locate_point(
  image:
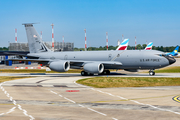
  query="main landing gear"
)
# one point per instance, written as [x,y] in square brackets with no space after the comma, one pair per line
[151,72]
[83,73]
[105,72]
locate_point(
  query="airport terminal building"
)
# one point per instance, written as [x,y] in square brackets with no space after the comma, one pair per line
[58,46]
[23,48]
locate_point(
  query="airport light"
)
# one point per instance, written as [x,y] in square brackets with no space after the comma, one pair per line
[107,40]
[15,35]
[41,35]
[122,37]
[135,42]
[52,36]
[85,40]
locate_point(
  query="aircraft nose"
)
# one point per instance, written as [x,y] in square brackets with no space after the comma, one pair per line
[171,60]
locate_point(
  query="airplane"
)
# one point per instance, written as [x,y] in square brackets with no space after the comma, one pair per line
[174,52]
[123,45]
[93,62]
[149,46]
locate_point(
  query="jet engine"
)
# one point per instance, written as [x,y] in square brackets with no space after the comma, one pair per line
[94,67]
[59,66]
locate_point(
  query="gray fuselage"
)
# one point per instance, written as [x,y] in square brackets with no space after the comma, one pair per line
[130,59]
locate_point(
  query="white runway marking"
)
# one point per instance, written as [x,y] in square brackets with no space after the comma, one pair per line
[143,103]
[11,110]
[133,100]
[82,105]
[97,111]
[11,98]
[19,107]
[69,100]
[53,92]
[14,102]
[1,114]
[81,85]
[114,119]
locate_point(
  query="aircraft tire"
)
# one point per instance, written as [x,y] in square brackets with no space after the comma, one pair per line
[151,73]
[107,72]
[90,74]
[83,73]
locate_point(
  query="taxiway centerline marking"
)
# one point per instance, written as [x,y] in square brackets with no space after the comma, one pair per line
[176,98]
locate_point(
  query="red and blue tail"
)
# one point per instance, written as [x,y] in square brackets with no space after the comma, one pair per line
[149,46]
[123,45]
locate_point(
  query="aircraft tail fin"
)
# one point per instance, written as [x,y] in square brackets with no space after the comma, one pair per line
[149,46]
[35,43]
[176,49]
[175,52]
[123,45]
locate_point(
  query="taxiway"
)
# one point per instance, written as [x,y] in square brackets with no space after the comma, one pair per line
[59,97]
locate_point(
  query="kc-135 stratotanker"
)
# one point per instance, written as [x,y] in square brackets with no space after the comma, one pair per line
[93,62]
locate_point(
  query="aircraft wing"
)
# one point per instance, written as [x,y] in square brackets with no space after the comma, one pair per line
[32,60]
[20,53]
[107,64]
[75,63]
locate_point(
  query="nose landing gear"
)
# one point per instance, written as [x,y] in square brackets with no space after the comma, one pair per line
[151,72]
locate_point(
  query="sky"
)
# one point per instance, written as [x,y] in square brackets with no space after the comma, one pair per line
[156,21]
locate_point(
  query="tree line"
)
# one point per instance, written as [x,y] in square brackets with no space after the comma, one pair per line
[138,47]
[4,49]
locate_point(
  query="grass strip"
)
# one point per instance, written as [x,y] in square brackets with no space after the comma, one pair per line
[9,78]
[175,69]
[110,82]
[36,71]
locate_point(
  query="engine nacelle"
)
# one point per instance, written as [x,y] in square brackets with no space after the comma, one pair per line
[59,66]
[94,67]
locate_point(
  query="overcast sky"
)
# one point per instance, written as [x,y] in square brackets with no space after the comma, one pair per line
[156,21]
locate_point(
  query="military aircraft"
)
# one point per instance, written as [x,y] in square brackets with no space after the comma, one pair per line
[93,62]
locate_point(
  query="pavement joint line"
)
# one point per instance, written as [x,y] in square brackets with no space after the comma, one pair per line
[14,102]
[139,102]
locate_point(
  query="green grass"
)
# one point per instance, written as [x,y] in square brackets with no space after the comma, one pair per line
[110,82]
[175,69]
[9,78]
[36,71]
